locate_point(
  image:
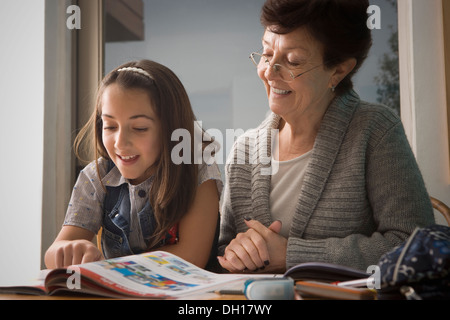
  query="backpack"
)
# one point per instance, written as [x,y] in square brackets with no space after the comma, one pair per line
[419,269]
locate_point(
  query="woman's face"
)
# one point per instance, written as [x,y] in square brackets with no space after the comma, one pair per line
[299,52]
[131,132]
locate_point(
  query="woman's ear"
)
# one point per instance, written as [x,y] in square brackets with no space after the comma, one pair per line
[342,70]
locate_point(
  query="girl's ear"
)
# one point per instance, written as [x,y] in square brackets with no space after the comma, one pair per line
[342,70]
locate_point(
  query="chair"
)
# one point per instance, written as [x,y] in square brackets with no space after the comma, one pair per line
[442,208]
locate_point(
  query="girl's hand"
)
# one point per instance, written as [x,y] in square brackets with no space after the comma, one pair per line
[67,253]
[258,249]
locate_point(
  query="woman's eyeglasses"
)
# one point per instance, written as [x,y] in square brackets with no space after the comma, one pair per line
[261,61]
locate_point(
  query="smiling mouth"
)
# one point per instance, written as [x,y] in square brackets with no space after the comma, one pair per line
[127,158]
[279,91]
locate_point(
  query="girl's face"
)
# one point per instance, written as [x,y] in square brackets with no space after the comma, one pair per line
[299,52]
[131,132]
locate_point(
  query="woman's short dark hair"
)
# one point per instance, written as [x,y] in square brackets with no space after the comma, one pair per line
[340,25]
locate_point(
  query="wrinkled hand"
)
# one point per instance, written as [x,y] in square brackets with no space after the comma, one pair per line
[75,252]
[258,249]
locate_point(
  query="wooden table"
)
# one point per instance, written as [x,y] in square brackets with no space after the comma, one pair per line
[204,296]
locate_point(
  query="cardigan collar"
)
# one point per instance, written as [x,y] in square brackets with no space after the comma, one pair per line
[326,148]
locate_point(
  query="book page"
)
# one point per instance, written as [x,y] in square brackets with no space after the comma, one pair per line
[28,286]
[155,273]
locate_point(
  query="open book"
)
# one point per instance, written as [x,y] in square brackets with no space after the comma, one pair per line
[326,272]
[161,275]
[316,280]
[153,275]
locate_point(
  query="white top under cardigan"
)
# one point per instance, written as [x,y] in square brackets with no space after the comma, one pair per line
[284,189]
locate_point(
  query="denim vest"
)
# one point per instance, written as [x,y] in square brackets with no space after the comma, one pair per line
[116,226]
[116,223]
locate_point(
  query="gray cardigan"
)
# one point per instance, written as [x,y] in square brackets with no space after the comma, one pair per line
[363,193]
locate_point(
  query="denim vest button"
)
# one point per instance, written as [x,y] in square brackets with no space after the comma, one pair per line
[142,193]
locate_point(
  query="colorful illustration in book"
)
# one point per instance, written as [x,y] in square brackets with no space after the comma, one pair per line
[142,275]
[178,262]
[158,260]
[178,270]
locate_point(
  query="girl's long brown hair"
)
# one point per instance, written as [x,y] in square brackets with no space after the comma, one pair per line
[174,186]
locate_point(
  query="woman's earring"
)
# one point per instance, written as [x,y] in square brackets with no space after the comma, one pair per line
[333,88]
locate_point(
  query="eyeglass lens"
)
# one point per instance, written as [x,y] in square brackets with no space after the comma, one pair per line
[262,62]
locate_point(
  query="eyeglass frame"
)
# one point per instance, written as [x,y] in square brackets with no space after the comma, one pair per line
[267,62]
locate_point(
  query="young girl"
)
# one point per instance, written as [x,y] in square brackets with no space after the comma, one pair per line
[134,192]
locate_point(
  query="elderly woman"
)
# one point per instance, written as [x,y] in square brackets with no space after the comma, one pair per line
[348,187]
